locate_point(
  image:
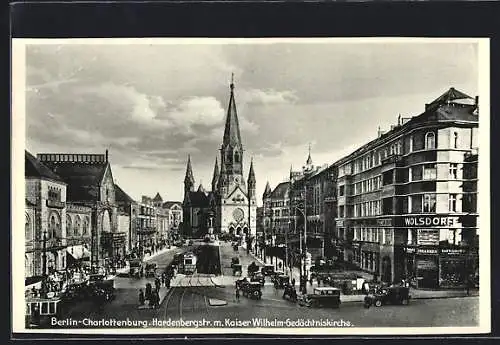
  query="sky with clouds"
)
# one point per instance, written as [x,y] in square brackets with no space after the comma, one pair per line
[151,105]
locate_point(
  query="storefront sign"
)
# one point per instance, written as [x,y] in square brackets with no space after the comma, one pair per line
[384,222]
[427,237]
[410,250]
[451,251]
[426,265]
[427,251]
[340,223]
[444,221]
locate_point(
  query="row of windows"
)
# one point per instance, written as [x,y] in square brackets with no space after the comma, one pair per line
[281,203]
[75,228]
[376,157]
[377,235]
[369,185]
[368,208]
[280,213]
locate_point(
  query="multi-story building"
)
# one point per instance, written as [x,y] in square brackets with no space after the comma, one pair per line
[277,202]
[45,219]
[401,197]
[127,217]
[90,183]
[78,234]
[145,227]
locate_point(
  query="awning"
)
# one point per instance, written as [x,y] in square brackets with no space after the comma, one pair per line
[78,252]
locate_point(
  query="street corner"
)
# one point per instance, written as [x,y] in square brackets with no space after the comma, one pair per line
[213,302]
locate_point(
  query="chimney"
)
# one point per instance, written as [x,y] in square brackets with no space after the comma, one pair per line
[477,100]
[106,155]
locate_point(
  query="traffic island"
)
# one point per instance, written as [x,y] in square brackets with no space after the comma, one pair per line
[216,302]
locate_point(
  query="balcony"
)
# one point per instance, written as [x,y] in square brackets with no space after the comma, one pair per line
[392,159]
[55,203]
[146,230]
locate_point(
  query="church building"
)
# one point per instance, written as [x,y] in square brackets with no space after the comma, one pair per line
[230,207]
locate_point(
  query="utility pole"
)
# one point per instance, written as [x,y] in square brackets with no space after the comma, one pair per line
[44,253]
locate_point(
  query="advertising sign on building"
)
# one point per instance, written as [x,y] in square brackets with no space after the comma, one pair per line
[384,222]
[441,221]
[427,237]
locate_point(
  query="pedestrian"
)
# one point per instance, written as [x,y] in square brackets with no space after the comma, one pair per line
[167,282]
[280,265]
[141,297]
[237,294]
[142,272]
[157,284]
[148,291]
[163,278]
[293,281]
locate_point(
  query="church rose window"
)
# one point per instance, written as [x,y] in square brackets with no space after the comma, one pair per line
[238,214]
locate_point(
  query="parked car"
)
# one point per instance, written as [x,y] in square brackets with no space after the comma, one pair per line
[281,281]
[388,295]
[322,297]
[252,290]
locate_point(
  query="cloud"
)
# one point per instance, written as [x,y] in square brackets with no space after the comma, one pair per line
[267,96]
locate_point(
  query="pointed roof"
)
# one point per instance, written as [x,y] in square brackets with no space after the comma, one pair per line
[251,174]
[158,198]
[35,168]
[189,171]
[215,177]
[280,191]
[450,96]
[267,190]
[309,159]
[201,189]
[232,128]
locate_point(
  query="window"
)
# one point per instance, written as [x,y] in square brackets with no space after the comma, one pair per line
[54,225]
[455,140]
[452,202]
[429,202]
[430,172]
[85,229]
[27,228]
[410,146]
[341,211]
[69,226]
[430,142]
[453,170]
[388,236]
[236,157]
[416,173]
[341,190]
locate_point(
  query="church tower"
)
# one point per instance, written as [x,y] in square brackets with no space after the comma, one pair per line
[251,185]
[188,179]
[231,175]
[215,178]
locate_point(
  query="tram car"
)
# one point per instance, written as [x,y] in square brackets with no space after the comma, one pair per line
[188,264]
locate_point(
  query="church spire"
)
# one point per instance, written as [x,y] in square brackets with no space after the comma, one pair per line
[232,128]
[309,159]
[215,178]
[189,179]
[267,190]
[251,174]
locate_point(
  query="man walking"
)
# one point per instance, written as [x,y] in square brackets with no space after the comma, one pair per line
[237,294]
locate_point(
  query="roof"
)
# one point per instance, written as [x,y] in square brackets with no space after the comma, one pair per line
[169,204]
[232,128]
[280,191]
[157,197]
[120,195]
[35,168]
[441,109]
[83,179]
[198,199]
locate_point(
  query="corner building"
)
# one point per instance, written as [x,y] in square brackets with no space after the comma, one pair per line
[406,200]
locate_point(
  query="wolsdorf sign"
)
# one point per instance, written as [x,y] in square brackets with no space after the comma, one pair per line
[430,221]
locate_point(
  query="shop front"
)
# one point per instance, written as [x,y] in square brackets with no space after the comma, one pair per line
[453,268]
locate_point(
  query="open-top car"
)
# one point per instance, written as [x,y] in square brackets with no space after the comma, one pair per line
[322,297]
[258,277]
[252,290]
[281,281]
[267,270]
[389,295]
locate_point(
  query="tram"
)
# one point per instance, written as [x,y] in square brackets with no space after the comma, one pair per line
[40,311]
[188,263]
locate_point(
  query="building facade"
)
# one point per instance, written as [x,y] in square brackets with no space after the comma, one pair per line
[78,234]
[401,196]
[173,211]
[230,207]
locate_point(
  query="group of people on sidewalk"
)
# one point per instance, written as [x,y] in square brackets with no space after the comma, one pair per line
[152,296]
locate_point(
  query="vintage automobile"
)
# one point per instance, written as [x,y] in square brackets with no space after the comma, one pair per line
[276,274]
[258,277]
[252,290]
[290,293]
[235,261]
[150,270]
[388,295]
[322,297]
[267,270]
[252,268]
[237,270]
[135,268]
[281,281]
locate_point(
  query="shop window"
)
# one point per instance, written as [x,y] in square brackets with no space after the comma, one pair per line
[429,203]
[452,202]
[430,141]
[454,171]
[430,172]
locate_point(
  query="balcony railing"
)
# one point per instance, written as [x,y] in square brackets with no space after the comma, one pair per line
[55,203]
[394,158]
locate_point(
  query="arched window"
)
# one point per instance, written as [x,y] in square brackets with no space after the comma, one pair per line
[106,222]
[236,157]
[78,224]
[54,225]
[27,228]
[85,229]
[430,141]
[69,226]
